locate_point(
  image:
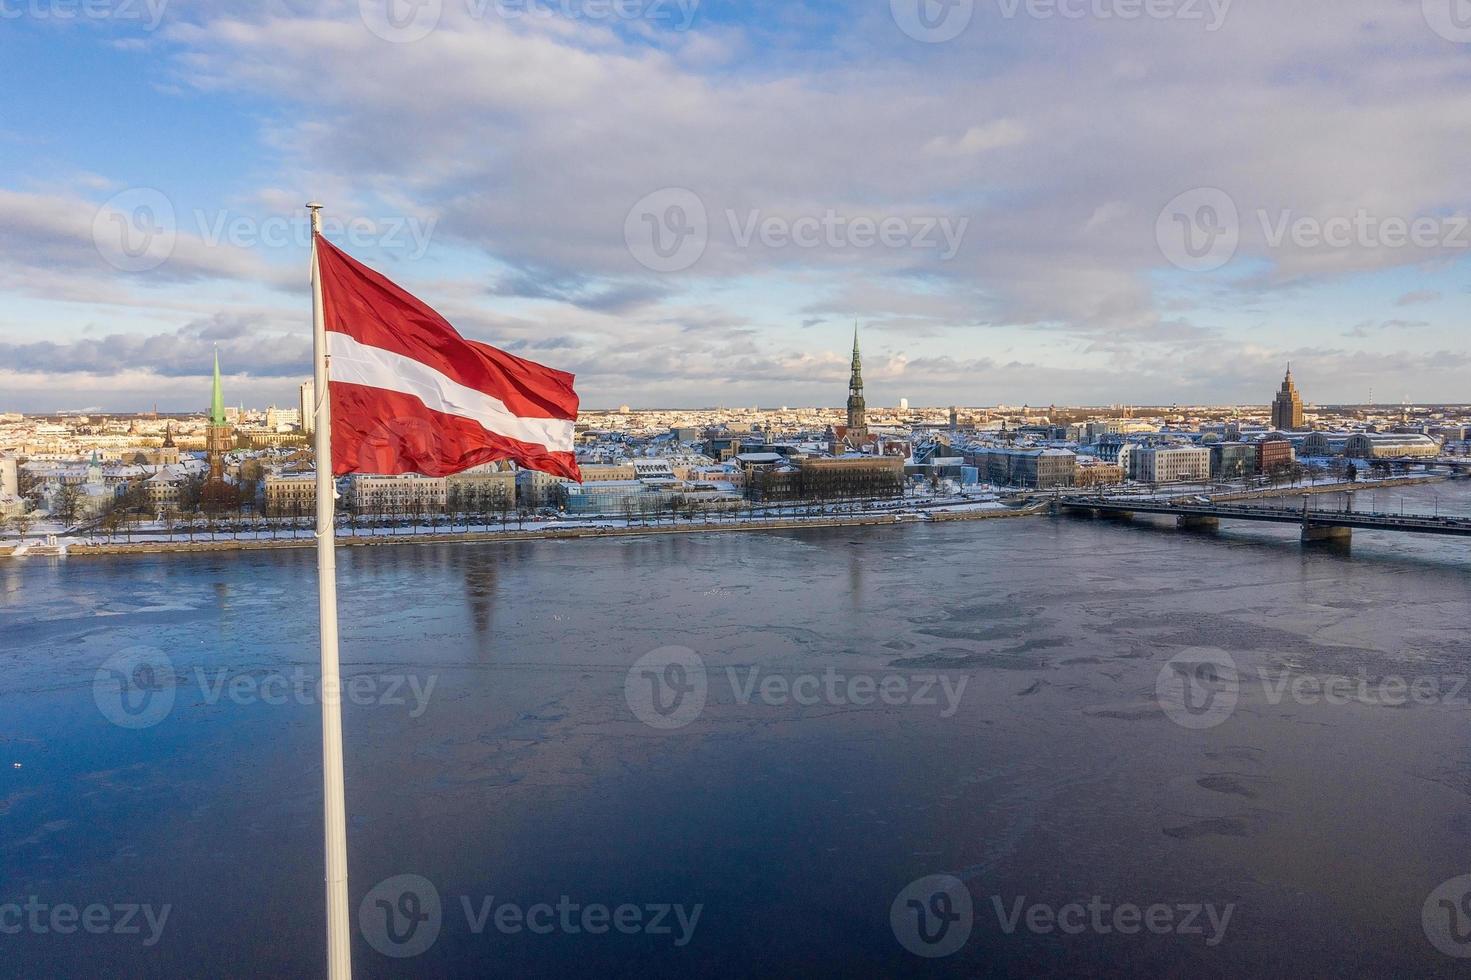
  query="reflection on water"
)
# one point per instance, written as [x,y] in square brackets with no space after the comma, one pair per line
[793,823]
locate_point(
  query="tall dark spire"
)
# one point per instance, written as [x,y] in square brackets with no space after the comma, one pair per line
[857,421]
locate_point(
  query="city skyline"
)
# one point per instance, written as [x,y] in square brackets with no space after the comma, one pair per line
[1066,245]
[855,389]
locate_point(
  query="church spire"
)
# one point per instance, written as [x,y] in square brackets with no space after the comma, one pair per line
[217,401]
[857,420]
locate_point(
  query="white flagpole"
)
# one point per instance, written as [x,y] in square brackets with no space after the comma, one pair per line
[339,935]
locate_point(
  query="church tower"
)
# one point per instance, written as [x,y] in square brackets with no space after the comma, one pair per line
[857,422]
[217,435]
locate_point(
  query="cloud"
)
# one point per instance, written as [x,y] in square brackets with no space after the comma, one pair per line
[528,140]
[1369,328]
[245,349]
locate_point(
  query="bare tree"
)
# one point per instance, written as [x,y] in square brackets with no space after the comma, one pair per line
[68,503]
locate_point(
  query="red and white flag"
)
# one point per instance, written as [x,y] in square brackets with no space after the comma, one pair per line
[410,395]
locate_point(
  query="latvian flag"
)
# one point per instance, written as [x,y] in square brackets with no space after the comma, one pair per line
[410,395]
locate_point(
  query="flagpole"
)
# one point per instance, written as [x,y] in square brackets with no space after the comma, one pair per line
[339,935]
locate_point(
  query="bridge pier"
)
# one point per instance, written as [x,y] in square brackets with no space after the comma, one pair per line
[1325,532]
[1192,522]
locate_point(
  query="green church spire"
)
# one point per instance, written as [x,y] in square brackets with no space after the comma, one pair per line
[217,402]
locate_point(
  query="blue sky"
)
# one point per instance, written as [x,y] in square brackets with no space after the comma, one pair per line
[691,203]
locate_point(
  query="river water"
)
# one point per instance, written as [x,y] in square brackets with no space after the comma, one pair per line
[736,755]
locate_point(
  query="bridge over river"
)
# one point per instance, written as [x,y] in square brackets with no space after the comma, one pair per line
[1317,525]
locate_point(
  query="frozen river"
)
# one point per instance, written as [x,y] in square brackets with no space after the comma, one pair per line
[1125,751]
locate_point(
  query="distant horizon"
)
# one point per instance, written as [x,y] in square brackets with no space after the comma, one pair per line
[615,410]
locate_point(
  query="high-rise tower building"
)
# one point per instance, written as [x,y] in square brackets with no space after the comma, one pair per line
[307,394]
[217,436]
[857,421]
[1287,413]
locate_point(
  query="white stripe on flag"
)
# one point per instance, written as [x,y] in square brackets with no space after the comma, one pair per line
[357,363]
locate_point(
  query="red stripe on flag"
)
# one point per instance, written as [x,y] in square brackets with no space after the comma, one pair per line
[378,431]
[375,311]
